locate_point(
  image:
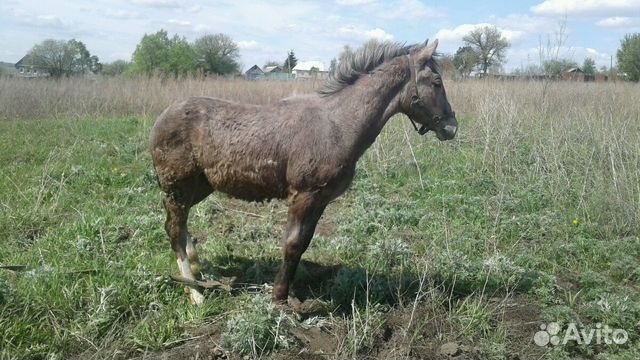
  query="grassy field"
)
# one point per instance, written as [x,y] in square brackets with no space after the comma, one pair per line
[529,217]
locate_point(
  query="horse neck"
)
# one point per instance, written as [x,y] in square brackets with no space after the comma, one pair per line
[366,106]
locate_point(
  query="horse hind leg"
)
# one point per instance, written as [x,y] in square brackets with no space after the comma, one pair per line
[178,203]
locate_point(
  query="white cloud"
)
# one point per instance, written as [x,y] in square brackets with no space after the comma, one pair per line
[619,22]
[407,10]
[194,8]
[157,3]
[354,2]
[48,20]
[525,23]
[121,14]
[179,22]
[248,45]
[394,10]
[452,38]
[365,34]
[201,28]
[588,8]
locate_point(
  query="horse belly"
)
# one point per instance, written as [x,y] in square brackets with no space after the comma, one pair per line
[251,184]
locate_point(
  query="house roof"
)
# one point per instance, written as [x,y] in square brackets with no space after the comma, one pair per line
[307,65]
[575,70]
[253,69]
[276,68]
[22,62]
[26,62]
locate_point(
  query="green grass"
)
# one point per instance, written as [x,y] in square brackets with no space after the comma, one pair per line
[79,195]
[526,207]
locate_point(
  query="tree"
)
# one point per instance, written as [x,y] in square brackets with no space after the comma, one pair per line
[290,62]
[489,45]
[151,53]
[63,58]
[159,53]
[86,62]
[445,65]
[557,67]
[183,60]
[465,60]
[333,66]
[629,56]
[347,53]
[529,71]
[589,67]
[271,63]
[115,68]
[217,54]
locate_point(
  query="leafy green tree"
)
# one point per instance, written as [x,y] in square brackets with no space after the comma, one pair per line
[290,62]
[217,54]
[489,45]
[183,60]
[63,58]
[629,56]
[557,67]
[85,61]
[115,68]
[589,67]
[157,53]
[465,60]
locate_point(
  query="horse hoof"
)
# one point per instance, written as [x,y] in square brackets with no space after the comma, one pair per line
[195,269]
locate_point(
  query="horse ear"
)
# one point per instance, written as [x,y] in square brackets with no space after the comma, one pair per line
[427,52]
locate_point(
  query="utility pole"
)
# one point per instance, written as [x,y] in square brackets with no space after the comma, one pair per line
[611,67]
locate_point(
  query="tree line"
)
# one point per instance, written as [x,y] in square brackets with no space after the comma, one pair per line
[483,52]
[156,54]
[485,48]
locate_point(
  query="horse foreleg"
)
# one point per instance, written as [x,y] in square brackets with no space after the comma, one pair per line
[304,213]
[181,243]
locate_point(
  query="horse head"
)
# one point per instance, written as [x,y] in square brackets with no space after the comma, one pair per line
[424,98]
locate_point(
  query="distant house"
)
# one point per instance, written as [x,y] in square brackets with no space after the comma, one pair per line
[254,73]
[276,72]
[273,69]
[24,68]
[573,74]
[305,70]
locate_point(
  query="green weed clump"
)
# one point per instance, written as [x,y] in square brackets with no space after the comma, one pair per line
[259,328]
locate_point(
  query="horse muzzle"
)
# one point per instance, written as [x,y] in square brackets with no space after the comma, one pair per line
[447,130]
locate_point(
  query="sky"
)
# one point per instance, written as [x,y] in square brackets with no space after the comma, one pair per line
[318,30]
